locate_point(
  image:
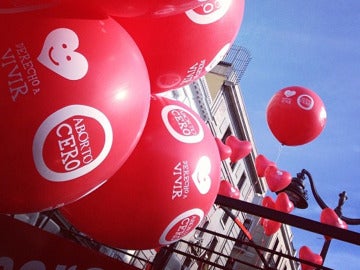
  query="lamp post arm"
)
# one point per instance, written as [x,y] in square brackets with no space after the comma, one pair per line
[317,197]
[322,204]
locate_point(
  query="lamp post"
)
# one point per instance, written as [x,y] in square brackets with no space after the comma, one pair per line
[299,196]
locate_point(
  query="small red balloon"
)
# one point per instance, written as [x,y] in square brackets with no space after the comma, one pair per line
[277,179]
[239,149]
[165,188]
[296,115]
[305,253]
[329,216]
[67,93]
[270,226]
[268,202]
[224,150]
[261,163]
[229,190]
[181,48]
[283,203]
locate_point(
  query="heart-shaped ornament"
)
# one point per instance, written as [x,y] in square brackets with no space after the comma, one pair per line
[239,149]
[227,189]
[329,216]
[261,163]
[289,93]
[283,203]
[276,179]
[224,150]
[305,253]
[270,226]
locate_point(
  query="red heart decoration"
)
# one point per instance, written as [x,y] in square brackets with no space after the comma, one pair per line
[227,189]
[261,163]
[270,226]
[283,203]
[224,150]
[305,253]
[329,216]
[239,149]
[277,179]
[268,202]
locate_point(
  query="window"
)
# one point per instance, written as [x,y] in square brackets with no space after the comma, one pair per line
[241,180]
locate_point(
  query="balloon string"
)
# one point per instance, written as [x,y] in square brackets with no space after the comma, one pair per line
[281,147]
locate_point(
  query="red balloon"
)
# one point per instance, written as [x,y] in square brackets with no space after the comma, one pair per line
[270,226]
[224,150]
[239,149]
[67,93]
[329,216]
[277,179]
[283,203]
[261,163]
[305,253]
[229,190]
[165,188]
[296,115]
[181,48]
[268,202]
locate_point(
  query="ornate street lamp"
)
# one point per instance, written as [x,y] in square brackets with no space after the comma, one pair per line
[299,196]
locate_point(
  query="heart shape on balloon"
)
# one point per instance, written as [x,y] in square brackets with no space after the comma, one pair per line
[224,150]
[261,163]
[59,54]
[305,253]
[239,149]
[276,179]
[227,189]
[289,93]
[283,203]
[329,216]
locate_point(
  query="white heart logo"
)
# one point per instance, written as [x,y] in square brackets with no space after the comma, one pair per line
[209,12]
[290,93]
[201,176]
[59,55]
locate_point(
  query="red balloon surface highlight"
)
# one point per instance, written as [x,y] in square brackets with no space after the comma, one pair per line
[135,8]
[67,95]
[296,115]
[180,49]
[163,191]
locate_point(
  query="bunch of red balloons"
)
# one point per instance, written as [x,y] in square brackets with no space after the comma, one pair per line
[78,80]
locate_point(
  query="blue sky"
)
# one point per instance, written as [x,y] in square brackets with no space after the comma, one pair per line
[311,43]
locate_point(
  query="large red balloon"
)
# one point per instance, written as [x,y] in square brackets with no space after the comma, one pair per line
[165,188]
[68,88]
[181,48]
[296,115]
